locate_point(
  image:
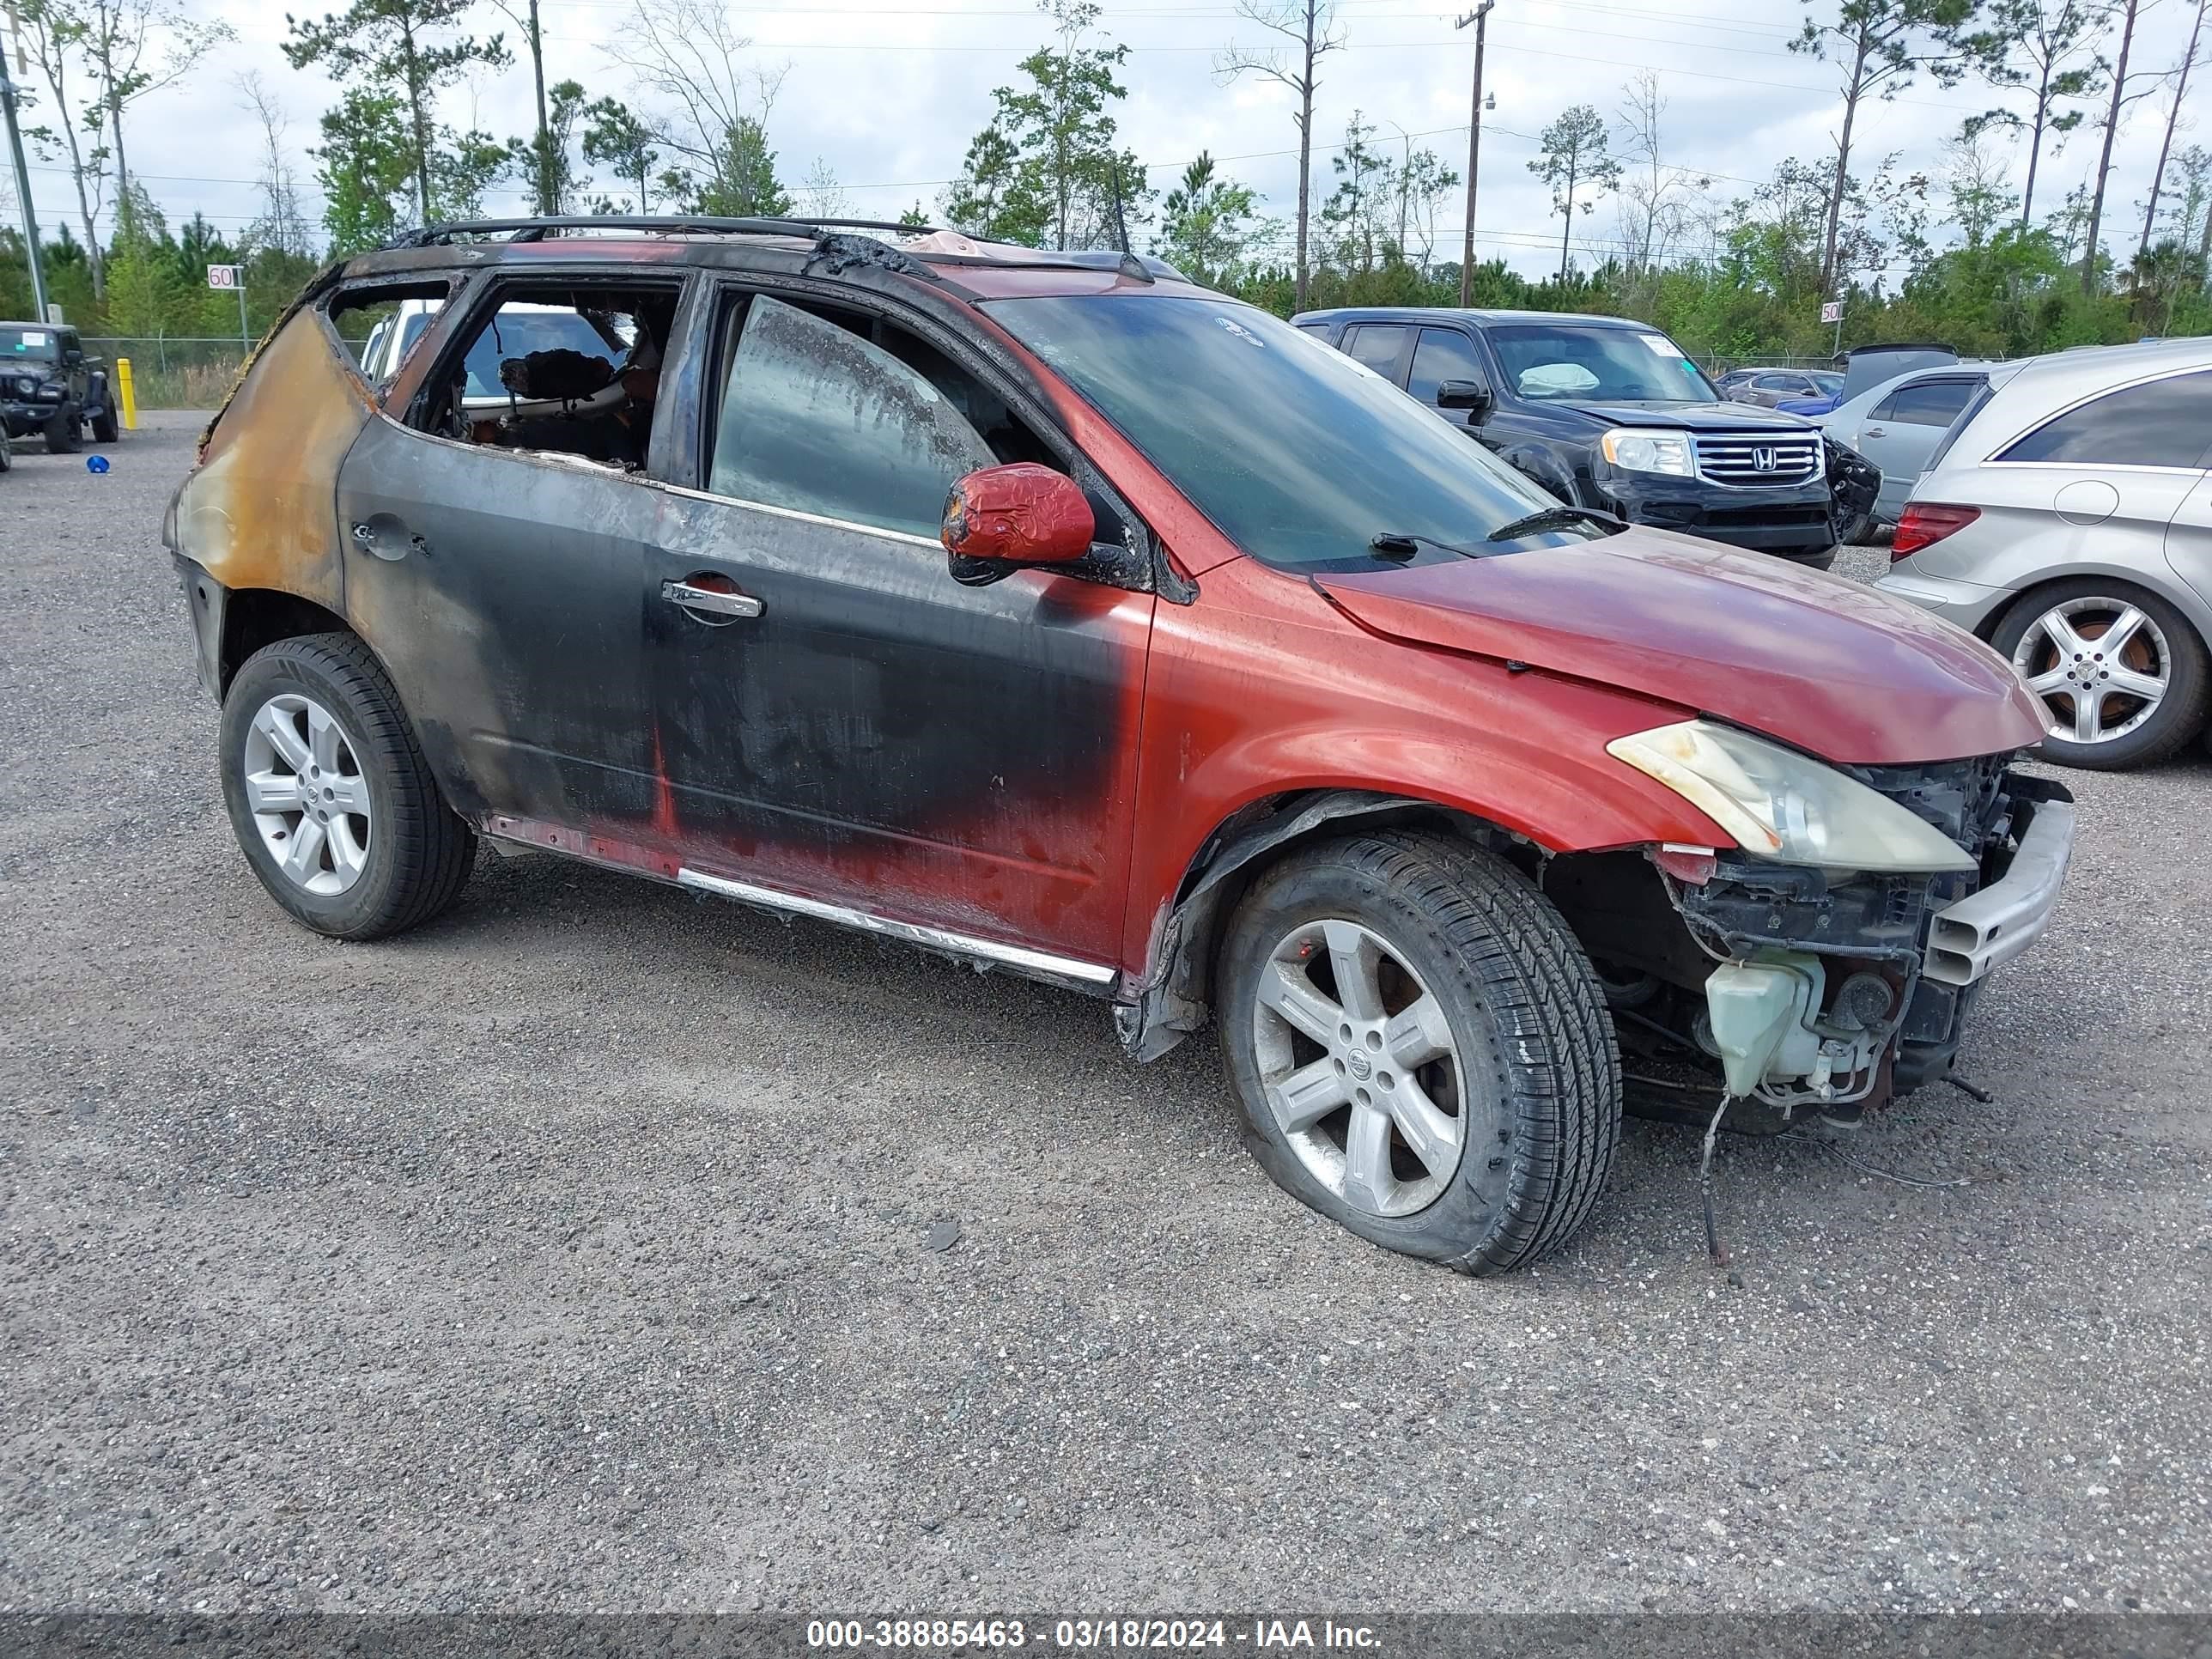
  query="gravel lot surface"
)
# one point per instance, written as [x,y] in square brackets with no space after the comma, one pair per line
[569,1253]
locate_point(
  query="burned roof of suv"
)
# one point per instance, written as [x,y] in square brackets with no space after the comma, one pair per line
[965,266]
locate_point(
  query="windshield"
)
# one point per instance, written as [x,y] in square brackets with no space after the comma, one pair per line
[1571,363]
[39,344]
[1296,452]
[1831,386]
[517,333]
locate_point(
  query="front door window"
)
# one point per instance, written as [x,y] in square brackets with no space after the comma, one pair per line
[817,419]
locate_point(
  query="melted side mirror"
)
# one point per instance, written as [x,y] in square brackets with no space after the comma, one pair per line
[1008,516]
[1470,395]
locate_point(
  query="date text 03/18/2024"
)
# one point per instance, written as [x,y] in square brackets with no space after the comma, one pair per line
[1262,1634]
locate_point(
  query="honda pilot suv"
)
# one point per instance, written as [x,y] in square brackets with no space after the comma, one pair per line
[1057,615]
[1609,413]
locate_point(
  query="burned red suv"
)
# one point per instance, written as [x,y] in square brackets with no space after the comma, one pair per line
[1054,613]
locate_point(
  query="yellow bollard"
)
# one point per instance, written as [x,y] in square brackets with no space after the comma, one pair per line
[126,394]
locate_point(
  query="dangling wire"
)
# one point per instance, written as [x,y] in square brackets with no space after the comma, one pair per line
[1718,1250]
[1878,1174]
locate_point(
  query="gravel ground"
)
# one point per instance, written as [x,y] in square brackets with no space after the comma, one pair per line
[569,1253]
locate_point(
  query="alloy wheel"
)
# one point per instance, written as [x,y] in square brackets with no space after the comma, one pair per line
[2102,667]
[1360,1068]
[309,800]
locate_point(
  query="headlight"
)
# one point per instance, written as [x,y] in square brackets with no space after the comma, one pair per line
[50,394]
[1633,449]
[1781,806]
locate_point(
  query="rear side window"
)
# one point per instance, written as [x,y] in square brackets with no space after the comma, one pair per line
[817,419]
[368,316]
[1319,330]
[517,329]
[1975,404]
[1927,403]
[2159,423]
[1441,355]
[1377,347]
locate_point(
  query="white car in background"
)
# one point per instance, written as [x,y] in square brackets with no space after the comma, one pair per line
[520,329]
[1897,425]
[2067,518]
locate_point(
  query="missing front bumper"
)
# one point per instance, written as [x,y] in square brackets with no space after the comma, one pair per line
[1988,928]
[1901,957]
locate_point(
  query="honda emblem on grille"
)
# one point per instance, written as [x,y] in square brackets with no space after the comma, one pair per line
[1762,459]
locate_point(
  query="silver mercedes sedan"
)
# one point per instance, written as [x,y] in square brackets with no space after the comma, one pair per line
[2066,518]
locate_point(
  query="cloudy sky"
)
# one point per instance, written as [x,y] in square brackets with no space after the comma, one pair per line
[887,94]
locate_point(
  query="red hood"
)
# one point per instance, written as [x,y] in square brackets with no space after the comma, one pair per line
[1825,663]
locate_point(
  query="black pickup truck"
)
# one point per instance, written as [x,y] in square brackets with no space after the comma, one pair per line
[1607,412]
[49,386]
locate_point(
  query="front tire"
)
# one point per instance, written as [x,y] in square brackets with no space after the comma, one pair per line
[2121,675]
[62,434]
[330,796]
[1422,1049]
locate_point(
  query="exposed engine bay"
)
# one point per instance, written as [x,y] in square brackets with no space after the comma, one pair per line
[1793,988]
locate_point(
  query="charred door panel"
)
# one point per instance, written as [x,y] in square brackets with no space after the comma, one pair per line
[500,589]
[881,736]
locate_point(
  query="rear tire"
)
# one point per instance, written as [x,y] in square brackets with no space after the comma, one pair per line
[62,434]
[106,429]
[2161,648]
[1451,955]
[330,799]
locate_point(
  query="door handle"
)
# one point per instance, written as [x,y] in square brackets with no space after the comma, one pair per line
[1877,432]
[690,597]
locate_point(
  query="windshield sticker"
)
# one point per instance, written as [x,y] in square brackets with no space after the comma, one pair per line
[31,337]
[1242,332]
[1660,346]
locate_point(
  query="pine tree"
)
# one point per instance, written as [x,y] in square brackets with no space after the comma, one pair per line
[1577,163]
[408,47]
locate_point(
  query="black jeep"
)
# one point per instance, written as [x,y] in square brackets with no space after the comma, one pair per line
[48,385]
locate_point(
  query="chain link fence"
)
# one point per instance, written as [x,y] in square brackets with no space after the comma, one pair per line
[172,373]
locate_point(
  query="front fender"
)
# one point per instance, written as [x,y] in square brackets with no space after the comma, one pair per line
[1854,483]
[1541,465]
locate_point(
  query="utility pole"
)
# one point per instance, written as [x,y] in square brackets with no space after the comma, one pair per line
[22,171]
[1479,17]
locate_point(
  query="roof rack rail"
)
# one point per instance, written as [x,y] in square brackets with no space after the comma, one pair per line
[538,227]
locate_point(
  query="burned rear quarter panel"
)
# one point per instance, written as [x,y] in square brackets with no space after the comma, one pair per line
[261,511]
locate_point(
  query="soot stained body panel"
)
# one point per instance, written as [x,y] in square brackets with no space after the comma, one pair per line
[500,589]
[883,735]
